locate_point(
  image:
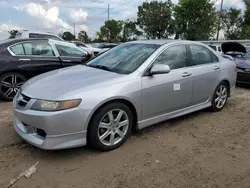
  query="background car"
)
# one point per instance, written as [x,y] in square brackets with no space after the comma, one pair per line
[84,46]
[102,47]
[131,86]
[242,59]
[22,59]
[23,34]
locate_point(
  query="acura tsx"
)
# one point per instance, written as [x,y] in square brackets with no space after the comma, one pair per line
[131,86]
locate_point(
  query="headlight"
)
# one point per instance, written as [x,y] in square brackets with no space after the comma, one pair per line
[44,105]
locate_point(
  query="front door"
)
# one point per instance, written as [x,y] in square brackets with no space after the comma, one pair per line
[206,71]
[165,93]
[70,54]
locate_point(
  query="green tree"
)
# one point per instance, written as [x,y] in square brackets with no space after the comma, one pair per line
[13,33]
[83,36]
[68,36]
[129,31]
[195,20]
[155,19]
[246,21]
[111,31]
[232,23]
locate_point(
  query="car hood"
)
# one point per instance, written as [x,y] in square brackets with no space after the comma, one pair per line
[243,63]
[56,84]
[233,47]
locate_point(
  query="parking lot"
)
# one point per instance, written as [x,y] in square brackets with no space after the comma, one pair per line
[203,149]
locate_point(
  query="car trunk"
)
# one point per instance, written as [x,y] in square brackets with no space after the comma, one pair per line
[232,47]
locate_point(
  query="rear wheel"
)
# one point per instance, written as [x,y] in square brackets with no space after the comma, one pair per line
[10,83]
[220,97]
[110,126]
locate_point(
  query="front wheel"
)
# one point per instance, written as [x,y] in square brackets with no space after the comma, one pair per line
[110,126]
[220,97]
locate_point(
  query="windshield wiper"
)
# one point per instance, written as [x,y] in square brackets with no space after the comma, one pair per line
[101,67]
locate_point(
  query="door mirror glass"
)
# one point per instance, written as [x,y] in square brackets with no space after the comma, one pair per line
[159,69]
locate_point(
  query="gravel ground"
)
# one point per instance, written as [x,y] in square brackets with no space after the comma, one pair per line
[201,150]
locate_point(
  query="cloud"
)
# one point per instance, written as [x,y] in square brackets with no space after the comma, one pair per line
[5,28]
[8,27]
[50,17]
[78,16]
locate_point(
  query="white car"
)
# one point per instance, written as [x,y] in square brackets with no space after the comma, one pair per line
[36,34]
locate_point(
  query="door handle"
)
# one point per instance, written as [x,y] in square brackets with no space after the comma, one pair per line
[216,67]
[24,59]
[186,74]
[67,61]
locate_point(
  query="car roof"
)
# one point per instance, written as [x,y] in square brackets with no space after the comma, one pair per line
[156,41]
[38,32]
[13,41]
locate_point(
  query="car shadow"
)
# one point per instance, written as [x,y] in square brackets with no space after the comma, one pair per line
[86,151]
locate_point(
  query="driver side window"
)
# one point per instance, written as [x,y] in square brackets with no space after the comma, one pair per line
[69,51]
[175,57]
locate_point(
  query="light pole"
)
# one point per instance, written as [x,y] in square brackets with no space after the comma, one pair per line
[218,29]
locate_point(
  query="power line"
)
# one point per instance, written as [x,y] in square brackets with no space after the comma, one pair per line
[122,4]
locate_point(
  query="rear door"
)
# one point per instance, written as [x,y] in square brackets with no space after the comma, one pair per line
[36,56]
[71,54]
[206,68]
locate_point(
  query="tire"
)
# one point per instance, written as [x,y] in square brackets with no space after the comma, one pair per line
[223,97]
[109,128]
[10,83]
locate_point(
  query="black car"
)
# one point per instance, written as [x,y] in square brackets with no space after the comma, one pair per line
[242,59]
[21,59]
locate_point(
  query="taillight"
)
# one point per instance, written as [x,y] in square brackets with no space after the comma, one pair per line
[235,69]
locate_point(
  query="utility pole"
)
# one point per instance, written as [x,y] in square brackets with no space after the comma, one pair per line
[218,29]
[74,30]
[108,12]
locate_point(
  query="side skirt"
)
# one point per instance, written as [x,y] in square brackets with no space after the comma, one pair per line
[148,122]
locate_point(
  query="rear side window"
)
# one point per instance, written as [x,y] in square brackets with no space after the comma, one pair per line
[201,55]
[36,48]
[49,37]
[17,49]
[33,35]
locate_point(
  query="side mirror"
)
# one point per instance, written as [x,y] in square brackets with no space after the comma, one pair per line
[159,69]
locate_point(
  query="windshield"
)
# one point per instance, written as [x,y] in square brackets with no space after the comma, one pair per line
[247,54]
[98,45]
[125,58]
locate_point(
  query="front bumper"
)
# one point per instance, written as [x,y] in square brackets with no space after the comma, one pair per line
[52,130]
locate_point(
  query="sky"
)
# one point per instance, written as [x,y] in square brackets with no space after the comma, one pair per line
[60,15]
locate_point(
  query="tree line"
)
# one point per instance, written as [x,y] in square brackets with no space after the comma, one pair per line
[189,19]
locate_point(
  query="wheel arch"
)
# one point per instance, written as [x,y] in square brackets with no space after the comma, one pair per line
[125,101]
[226,81]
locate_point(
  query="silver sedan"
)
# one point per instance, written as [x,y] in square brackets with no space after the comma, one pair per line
[132,86]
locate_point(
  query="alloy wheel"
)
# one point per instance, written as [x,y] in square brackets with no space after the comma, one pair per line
[10,85]
[221,96]
[113,127]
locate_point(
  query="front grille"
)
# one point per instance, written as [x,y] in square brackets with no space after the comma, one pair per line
[22,100]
